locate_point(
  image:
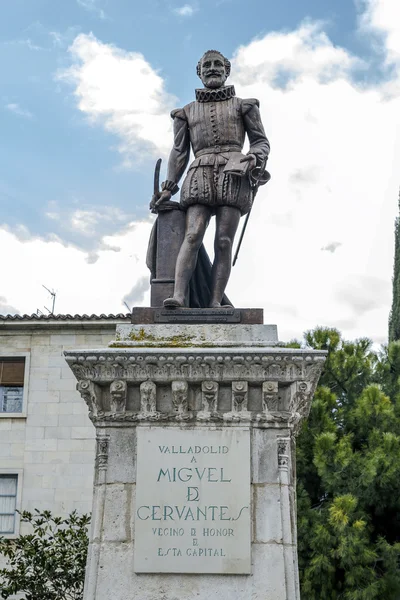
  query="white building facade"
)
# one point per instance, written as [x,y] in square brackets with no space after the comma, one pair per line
[46,438]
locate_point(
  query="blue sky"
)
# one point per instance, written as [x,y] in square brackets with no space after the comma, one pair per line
[49,152]
[79,145]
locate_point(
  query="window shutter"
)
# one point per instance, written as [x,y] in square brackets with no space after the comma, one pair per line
[12,372]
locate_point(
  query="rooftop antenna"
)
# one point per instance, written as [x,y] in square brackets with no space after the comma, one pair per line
[39,312]
[53,295]
[129,309]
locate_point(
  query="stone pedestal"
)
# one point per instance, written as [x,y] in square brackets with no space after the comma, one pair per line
[169,235]
[194,493]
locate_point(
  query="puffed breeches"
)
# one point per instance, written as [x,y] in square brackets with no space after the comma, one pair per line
[209,185]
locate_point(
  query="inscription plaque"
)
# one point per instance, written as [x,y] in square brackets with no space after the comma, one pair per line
[193,501]
[197,315]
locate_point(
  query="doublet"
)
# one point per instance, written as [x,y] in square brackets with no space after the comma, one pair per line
[214,126]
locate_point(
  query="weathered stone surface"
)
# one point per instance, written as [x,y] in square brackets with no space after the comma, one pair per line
[264,463]
[268,581]
[191,335]
[176,388]
[122,455]
[266,502]
[116,527]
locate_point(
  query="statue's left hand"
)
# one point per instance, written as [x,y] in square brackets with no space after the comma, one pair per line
[251,159]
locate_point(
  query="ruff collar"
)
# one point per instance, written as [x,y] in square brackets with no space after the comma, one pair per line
[222,93]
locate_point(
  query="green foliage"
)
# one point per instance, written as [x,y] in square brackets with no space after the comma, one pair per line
[394,317]
[348,469]
[48,563]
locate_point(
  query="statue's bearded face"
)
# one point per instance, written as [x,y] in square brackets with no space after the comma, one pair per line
[212,71]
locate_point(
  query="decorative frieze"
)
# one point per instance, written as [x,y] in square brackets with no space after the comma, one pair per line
[209,400]
[118,395]
[239,396]
[283,453]
[239,405]
[199,385]
[180,391]
[270,397]
[256,365]
[102,443]
[90,393]
[148,395]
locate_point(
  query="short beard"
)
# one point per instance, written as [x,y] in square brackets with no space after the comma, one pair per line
[214,82]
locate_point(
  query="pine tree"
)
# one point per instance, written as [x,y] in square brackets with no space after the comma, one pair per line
[348,469]
[394,317]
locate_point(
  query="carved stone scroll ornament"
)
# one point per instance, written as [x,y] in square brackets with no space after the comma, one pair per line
[239,396]
[283,453]
[102,451]
[240,410]
[118,390]
[148,394]
[180,393]
[300,402]
[270,398]
[90,393]
[209,400]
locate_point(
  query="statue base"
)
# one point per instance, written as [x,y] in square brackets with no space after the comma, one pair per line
[194,492]
[148,315]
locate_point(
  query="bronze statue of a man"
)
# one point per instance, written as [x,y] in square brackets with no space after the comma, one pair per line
[221,181]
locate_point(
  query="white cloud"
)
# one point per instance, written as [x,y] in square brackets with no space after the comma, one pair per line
[335,153]
[92,6]
[382,17]
[81,286]
[303,53]
[187,10]
[18,110]
[137,294]
[5,308]
[24,42]
[61,39]
[87,220]
[123,92]
[335,147]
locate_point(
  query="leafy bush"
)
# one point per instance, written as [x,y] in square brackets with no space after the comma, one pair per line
[48,563]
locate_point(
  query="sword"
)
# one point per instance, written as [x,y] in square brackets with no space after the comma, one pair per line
[156,186]
[241,239]
[255,189]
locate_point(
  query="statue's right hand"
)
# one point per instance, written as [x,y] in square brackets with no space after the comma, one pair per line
[158,198]
[153,201]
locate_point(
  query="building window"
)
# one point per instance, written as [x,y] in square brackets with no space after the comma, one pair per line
[11,384]
[8,503]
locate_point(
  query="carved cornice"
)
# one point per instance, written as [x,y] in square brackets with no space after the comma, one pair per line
[196,366]
[266,387]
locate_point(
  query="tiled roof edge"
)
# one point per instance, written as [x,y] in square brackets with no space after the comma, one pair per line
[84,317]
